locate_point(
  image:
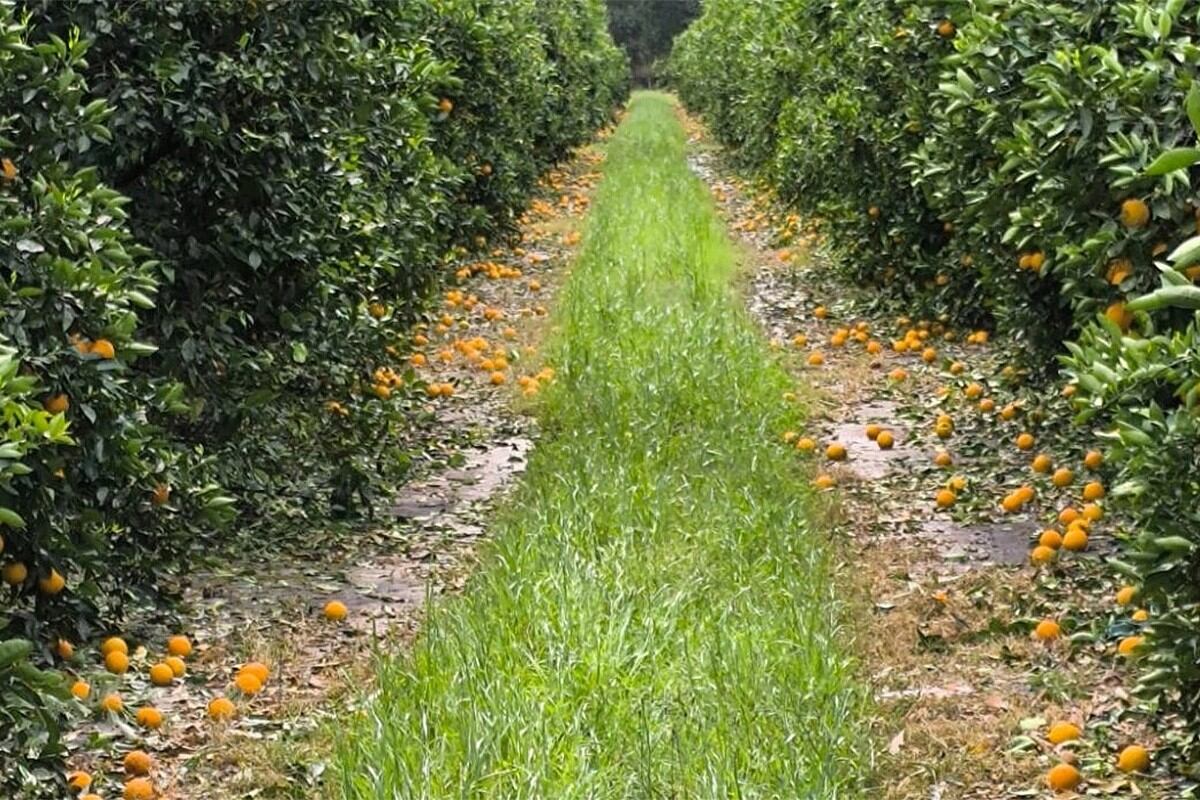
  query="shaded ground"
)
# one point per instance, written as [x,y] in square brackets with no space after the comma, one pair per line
[267,607]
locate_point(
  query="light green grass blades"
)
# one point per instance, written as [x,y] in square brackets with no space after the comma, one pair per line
[655,618]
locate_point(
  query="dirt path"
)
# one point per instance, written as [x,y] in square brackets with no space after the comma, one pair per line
[267,607]
[965,694]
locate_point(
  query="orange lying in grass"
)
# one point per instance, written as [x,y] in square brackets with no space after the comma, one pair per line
[161,674]
[149,717]
[815,359]
[257,669]
[1042,463]
[885,440]
[1134,758]
[112,702]
[79,780]
[1062,477]
[1047,630]
[137,762]
[805,444]
[873,431]
[81,690]
[1062,732]
[943,459]
[335,611]
[139,789]
[835,451]
[1050,538]
[1042,555]
[177,665]
[247,683]
[1063,778]
[179,646]
[1126,594]
[1130,644]
[116,662]
[1093,460]
[1075,539]
[1025,441]
[1093,491]
[222,709]
[824,482]
[945,498]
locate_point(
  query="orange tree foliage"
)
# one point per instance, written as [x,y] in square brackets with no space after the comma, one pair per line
[1008,152]
[202,202]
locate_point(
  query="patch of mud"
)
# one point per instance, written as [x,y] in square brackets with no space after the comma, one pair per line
[988,544]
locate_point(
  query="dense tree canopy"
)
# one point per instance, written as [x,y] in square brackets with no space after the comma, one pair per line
[646,29]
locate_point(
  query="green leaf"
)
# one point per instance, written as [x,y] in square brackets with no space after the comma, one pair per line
[11,518]
[1179,158]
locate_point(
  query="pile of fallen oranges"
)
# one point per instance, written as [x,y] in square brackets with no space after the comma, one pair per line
[1081,499]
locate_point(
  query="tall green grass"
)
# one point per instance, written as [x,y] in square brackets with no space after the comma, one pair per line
[656,617]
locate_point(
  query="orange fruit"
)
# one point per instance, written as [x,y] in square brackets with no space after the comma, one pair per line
[972,391]
[221,709]
[139,789]
[946,30]
[1126,594]
[957,484]
[1025,441]
[176,664]
[1130,644]
[79,780]
[1093,512]
[1051,538]
[885,440]
[1042,555]
[1093,460]
[52,584]
[1093,491]
[1024,494]
[161,494]
[247,683]
[1061,732]
[104,348]
[1141,615]
[112,703]
[149,717]
[815,359]
[1068,515]
[335,610]
[1047,630]
[820,312]
[137,762]
[1010,412]
[15,573]
[161,674]
[943,459]
[945,498]
[1134,758]
[929,355]
[1134,213]
[81,690]
[64,649]
[1063,778]
[805,444]
[116,662]
[179,646]
[835,452]
[873,431]
[1076,539]
[113,643]
[987,405]
[57,404]
[824,482]
[1119,315]
[874,347]
[898,374]
[257,669]
[957,368]
[1042,463]
[1062,477]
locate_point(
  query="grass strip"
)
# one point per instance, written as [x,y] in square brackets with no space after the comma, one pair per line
[656,616]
